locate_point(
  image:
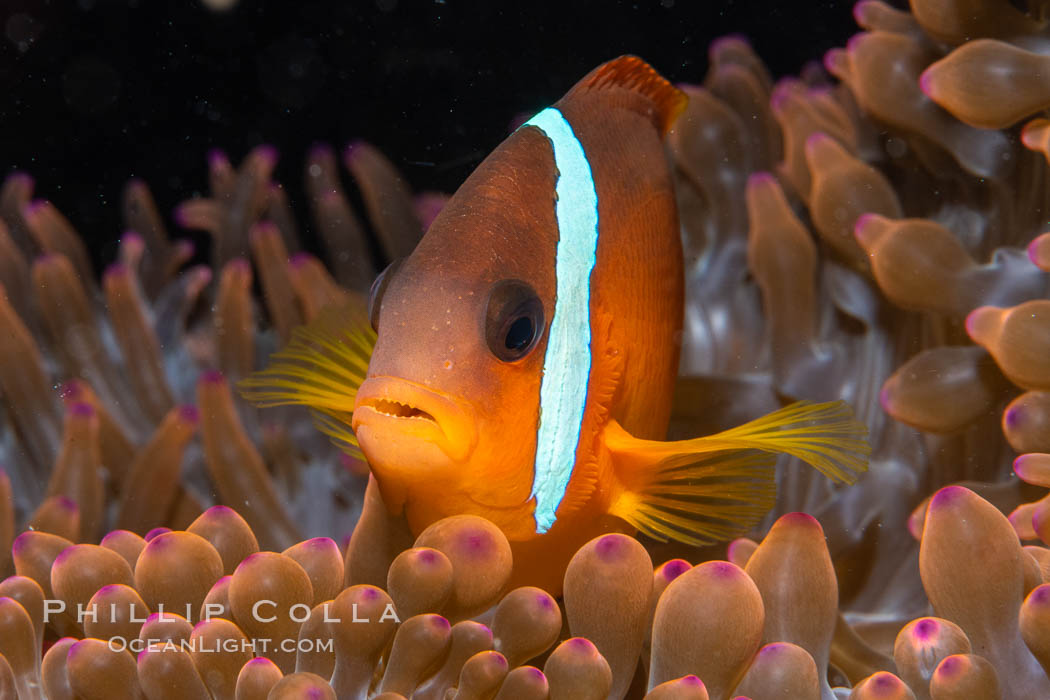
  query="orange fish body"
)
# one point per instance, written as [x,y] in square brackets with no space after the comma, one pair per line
[528,348]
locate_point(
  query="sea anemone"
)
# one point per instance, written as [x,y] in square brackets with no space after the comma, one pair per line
[878,239]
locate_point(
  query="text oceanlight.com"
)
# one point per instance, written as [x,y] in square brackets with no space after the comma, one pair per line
[200,645]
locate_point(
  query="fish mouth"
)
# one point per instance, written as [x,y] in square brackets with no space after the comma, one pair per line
[397,409]
[391,407]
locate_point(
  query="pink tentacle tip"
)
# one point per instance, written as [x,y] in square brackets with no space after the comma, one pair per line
[1013,417]
[581,645]
[675,568]
[22,541]
[854,42]
[23,179]
[1040,596]
[259,661]
[68,504]
[609,546]
[188,413]
[114,534]
[925,629]
[884,681]
[155,533]
[728,41]
[772,649]
[108,589]
[322,543]
[858,12]
[239,265]
[950,666]
[131,237]
[927,83]
[370,593]
[320,151]
[799,519]
[476,541]
[71,390]
[263,229]
[440,622]
[212,376]
[886,399]
[63,555]
[948,497]
[692,681]
[219,512]
[115,270]
[34,207]
[299,259]
[761,179]
[180,216]
[353,150]
[818,139]
[545,602]
[725,569]
[268,152]
[833,61]
[217,157]
[81,409]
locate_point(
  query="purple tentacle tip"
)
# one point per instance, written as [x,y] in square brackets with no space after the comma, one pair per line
[212,376]
[948,496]
[189,413]
[926,83]
[853,43]
[155,533]
[885,399]
[82,410]
[581,645]
[220,512]
[761,179]
[926,628]
[216,157]
[609,546]
[117,269]
[675,568]
[1013,416]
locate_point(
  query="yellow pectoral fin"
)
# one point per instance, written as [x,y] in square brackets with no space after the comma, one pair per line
[321,368]
[710,488]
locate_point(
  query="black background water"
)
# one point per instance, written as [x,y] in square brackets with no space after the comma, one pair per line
[93,92]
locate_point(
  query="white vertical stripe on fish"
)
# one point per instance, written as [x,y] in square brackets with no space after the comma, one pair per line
[567,362]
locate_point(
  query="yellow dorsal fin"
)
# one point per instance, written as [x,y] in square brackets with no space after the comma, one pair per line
[710,488]
[321,368]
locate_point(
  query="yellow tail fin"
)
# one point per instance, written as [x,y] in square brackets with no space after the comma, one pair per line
[321,368]
[710,488]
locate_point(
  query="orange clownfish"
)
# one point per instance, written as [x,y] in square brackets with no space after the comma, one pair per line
[526,352]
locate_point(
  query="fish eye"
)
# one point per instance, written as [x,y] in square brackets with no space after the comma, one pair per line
[375,294]
[513,320]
